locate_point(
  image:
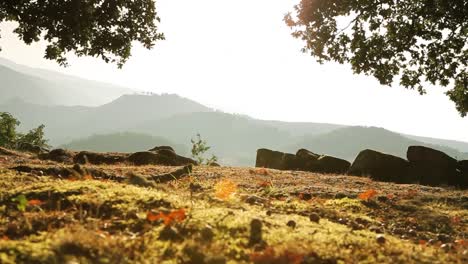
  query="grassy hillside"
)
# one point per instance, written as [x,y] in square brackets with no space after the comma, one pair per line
[347,142]
[224,215]
[123,142]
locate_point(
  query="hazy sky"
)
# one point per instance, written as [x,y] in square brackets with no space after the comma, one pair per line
[238,56]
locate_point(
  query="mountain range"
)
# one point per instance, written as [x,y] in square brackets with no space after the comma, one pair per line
[88,115]
[52,88]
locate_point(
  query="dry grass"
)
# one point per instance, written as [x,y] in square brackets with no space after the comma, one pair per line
[104,221]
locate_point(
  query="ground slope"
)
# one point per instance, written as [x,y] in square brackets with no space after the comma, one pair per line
[219,215]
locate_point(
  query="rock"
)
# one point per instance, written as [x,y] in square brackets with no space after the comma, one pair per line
[144,158]
[328,164]
[269,159]
[175,175]
[80,170]
[305,154]
[28,147]
[85,157]
[207,234]
[444,238]
[303,160]
[170,154]
[158,148]
[139,180]
[169,157]
[194,254]
[432,167]
[255,232]
[22,168]
[291,223]
[291,162]
[306,159]
[254,199]
[380,239]
[446,247]
[58,155]
[168,233]
[463,168]
[380,167]
[276,160]
[313,217]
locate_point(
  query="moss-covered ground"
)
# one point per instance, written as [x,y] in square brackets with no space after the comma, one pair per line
[224,215]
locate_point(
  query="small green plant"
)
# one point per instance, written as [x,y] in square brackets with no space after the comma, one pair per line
[21,201]
[199,148]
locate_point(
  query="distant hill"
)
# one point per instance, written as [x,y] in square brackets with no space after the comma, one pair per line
[302,128]
[123,142]
[234,138]
[347,142]
[459,145]
[65,123]
[37,96]
[52,88]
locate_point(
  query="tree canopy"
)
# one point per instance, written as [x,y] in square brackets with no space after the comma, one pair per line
[420,42]
[98,28]
[11,138]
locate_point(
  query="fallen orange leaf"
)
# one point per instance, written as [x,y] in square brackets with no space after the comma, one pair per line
[174,216]
[35,202]
[456,220]
[87,177]
[461,242]
[367,195]
[224,189]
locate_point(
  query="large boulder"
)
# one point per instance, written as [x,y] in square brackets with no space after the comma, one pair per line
[381,167]
[267,158]
[463,168]
[161,157]
[290,162]
[328,164]
[58,155]
[149,158]
[306,159]
[310,161]
[170,157]
[432,167]
[85,157]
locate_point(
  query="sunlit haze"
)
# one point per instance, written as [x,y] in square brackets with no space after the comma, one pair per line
[239,56]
